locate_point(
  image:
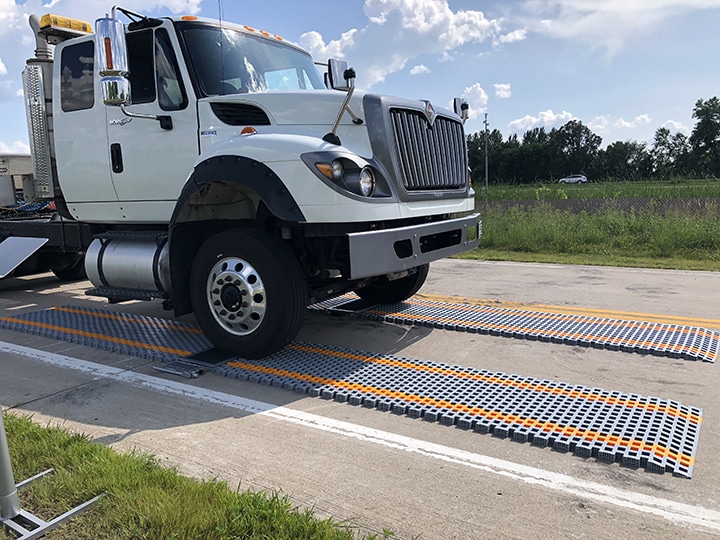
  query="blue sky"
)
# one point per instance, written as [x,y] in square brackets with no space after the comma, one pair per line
[622,67]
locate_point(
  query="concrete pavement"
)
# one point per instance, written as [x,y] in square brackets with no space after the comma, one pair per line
[385,471]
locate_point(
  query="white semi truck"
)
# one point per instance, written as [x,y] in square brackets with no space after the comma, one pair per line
[212,166]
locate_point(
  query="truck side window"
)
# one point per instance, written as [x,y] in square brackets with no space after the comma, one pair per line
[171,92]
[76,77]
[142,70]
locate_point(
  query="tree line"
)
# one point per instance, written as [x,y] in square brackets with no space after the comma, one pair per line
[546,156]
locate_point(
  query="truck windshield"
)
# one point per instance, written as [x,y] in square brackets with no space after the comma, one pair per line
[226,61]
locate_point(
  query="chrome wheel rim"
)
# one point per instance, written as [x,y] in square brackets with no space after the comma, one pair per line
[236,295]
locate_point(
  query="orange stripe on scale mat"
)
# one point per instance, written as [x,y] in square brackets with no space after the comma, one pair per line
[656,434]
[658,339]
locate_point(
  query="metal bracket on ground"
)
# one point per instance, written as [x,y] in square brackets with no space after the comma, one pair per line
[182,369]
[24,525]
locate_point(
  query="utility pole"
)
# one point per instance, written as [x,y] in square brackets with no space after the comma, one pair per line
[486,154]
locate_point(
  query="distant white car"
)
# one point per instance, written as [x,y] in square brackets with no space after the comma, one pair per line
[573,179]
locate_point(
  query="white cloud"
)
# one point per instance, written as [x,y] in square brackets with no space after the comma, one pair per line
[516,35]
[599,124]
[607,23]
[503,90]
[16,147]
[420,69]
[547,119]
[477,99]
[313,42]
[3,69]
[637,121]
[415,27]
[676,126]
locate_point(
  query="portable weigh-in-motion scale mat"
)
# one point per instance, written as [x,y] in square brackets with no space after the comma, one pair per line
[657,434]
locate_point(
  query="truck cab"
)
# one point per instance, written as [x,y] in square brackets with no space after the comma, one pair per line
[221,172]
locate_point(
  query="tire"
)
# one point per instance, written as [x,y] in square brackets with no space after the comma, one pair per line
[248,292]
[74,271]
[382,291]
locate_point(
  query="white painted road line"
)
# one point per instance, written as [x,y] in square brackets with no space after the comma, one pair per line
[671,510]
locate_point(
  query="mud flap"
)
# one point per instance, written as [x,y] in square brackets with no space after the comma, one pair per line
[15,250]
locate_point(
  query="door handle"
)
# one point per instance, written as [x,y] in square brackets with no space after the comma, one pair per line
[116,159]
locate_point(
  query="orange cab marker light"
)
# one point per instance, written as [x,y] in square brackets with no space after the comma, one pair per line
[189,18]
[248,130]
[108,54]
[249,28]
[278,37]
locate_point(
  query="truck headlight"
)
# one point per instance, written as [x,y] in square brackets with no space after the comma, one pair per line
[360,181]
[350,174]
[366,182]
[337,169]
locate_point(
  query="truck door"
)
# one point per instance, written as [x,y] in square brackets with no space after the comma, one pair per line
[150,164]
[80,129]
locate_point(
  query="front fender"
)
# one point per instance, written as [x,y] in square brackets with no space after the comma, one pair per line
[243,172]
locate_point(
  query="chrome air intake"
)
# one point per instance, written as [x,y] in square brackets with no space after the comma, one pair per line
[38,131]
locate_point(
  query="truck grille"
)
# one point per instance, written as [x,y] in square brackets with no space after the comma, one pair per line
[429,157]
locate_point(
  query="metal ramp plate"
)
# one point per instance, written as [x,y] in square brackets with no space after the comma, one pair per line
[14,251]
[671,340]
[657,434]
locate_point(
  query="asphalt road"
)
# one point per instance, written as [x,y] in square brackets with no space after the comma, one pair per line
[384,471]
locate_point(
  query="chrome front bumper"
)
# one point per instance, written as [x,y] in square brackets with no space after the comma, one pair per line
[375,253]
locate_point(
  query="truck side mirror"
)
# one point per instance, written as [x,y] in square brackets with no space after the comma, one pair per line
[339,76]
[112,60]
[462,109]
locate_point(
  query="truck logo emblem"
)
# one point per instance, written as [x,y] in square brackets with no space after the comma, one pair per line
[429,112]
[208,133]
[120,121]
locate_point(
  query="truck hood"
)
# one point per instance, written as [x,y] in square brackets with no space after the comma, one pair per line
[309,107]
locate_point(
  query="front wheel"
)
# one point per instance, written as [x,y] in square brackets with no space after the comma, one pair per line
[248,292]
[384,291]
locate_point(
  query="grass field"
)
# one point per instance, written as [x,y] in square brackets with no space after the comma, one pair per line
[670,189]
[652,235]
[143,500]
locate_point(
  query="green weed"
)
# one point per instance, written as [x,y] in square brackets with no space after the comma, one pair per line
[144,500]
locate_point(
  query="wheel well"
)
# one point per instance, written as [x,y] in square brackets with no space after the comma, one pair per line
[218,200]
[223,192]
